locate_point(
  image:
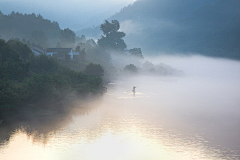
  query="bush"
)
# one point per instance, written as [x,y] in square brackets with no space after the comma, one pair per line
[94,70]
[131,68]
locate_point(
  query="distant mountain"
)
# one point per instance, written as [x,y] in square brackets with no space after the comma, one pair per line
[209,27]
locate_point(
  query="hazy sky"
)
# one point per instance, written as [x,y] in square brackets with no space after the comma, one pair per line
[66,12]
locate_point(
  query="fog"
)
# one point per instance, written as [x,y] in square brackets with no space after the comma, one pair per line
[205,100]
[194,115]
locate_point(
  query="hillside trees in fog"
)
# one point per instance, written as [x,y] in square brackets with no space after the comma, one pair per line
[40,38]
[67,38]
[12,66]
[136,52]
[94,70]
[32,83]
[112,38]
[131,68]
[23,50]
[207,27]
[18,25]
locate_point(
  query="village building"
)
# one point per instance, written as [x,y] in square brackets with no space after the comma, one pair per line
[61,53]
[37,51]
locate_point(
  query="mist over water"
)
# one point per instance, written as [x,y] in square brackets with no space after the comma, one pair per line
[193,116]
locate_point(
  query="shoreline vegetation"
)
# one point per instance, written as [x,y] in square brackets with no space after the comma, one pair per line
[42,85]
[33,86]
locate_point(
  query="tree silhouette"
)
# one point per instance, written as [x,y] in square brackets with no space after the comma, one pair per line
[137,52]
[131,68]
[112,38]
[94,70]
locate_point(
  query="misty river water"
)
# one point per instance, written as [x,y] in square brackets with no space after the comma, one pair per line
[190,117]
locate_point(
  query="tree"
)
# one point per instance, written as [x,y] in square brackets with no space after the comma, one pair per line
[136,52]
[23,50]
[82,53]
[83,39]
[94,70]
[131,68]
[67,37]
[11,65]
[112,38]
[77,49]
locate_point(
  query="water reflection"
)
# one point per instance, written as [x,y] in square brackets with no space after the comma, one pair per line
[40,129]
[169,118]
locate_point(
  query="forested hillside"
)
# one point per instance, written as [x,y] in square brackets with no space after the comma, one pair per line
[27,26]
[206,27]
[189,26]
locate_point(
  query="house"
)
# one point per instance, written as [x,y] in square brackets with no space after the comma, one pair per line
[52,51]
[74,54]
[37,51]
[61,53]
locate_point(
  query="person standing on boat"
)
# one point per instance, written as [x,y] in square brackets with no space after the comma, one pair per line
[134,90]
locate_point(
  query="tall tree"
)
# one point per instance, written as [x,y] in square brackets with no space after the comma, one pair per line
[112,38]
[136,52]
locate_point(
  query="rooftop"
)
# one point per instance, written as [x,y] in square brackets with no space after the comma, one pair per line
[59,50]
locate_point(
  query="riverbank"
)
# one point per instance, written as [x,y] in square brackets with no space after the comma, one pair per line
[33,86]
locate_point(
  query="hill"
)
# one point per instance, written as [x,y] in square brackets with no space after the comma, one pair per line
[207,27]
[188,26]
[18,25]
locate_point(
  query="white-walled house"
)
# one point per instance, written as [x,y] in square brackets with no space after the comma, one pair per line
[55,51]
[37,51]
[52,51]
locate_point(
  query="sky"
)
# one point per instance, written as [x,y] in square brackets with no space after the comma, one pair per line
[68,13]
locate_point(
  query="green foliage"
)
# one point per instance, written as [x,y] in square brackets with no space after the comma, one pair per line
[112,38]
[11,96]
[131,68]
[43,64]
[77,49]
[94,70]
[43,89]
[11,65]
[107,27]
[23,50]
[41,83]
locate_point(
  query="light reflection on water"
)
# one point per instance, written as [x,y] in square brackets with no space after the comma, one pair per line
[168,118]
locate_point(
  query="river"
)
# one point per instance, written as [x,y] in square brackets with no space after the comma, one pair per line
[190,117]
